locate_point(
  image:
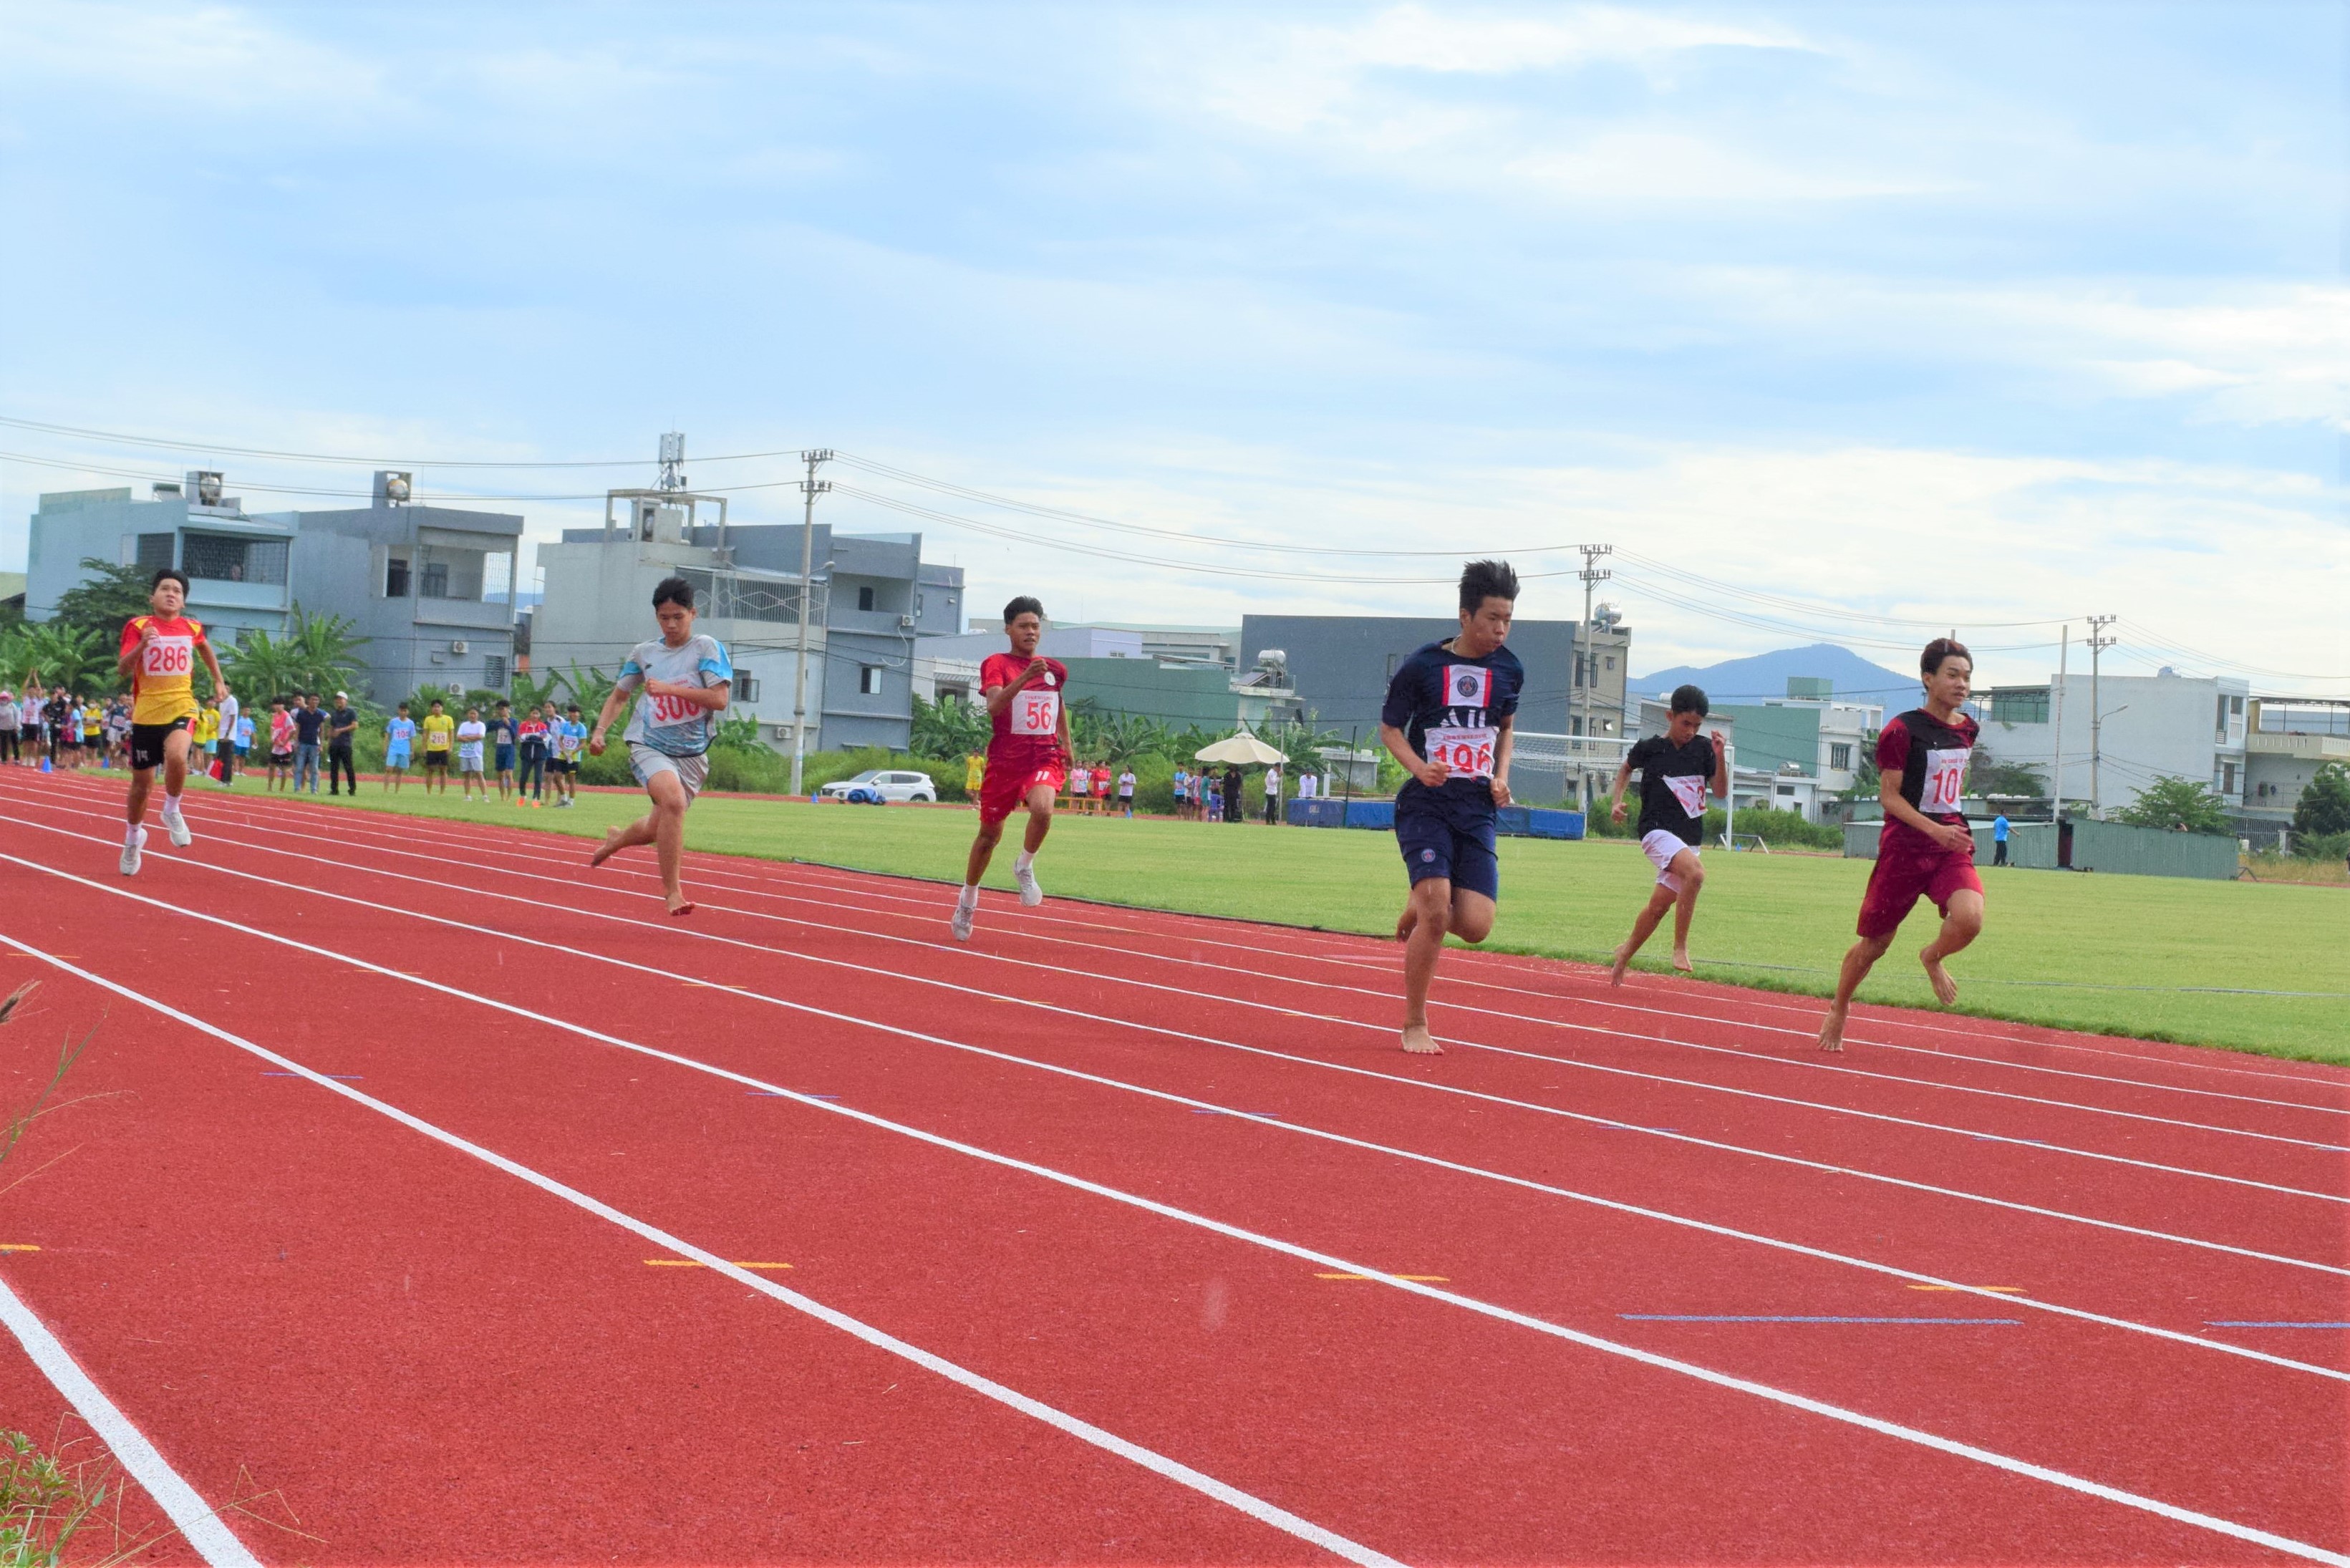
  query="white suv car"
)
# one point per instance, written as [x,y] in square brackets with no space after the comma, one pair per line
[875,786]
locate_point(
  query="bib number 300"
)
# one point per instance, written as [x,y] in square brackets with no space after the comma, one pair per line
[669,710]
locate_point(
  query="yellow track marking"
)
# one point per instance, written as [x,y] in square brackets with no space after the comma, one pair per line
[18,1247]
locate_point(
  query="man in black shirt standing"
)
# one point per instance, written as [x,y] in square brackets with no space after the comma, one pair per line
[342,731]
[1677,770]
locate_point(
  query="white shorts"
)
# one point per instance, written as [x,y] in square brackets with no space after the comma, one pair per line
[646,761]
[1660,847]
[469,759]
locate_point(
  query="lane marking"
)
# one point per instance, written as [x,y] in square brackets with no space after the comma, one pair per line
[354,1076]
[1706,1227]
[1526,1018]
[1150,1459]
[1741,1317]
[197,1522]
[1428,1085]
[1426,1279]
[1994,1289]
[772,1093]
[698,1263]
[1255,1507]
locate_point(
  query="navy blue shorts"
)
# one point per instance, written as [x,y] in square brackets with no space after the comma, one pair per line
[1454,845]
[505,758]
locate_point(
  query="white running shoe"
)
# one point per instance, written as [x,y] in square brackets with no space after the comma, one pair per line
[131,848]
[177,826]
[962,917]
[1030,894]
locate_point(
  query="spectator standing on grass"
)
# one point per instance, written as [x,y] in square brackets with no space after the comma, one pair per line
[281,745]
[975,774]
[439,731]
[231,714]
[570,735]
[8,729]
[1211,799]
[687,681]
[61,735]
[502,741]
[1081,784]
[470,737]
[118,731]
[28,722]
[204,737]
[93,729]
[399,743]
[342,734]
[1999,840]
[309,731]
[1234,811]
[1273,797]
[530,748]
[244,738]
[1126,792]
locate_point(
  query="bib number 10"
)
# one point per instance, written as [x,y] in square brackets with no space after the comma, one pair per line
[1945,772]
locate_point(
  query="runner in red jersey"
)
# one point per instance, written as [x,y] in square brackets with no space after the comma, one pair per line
[1026,760]
[1925,849]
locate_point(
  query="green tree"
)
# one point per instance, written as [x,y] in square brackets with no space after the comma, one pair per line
[949,728]
[261,668]
[322,653]
[2175,802]
[528,691]
[1990,777]
[2324,803]
[57,654]
[107,596]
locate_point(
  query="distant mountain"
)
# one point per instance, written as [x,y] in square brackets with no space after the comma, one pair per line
[1766,675]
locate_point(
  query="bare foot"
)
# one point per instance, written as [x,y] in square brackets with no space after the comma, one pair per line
[1831,1030]
[605,850]
[680,905]
[1407,923]
[1681,961]
[1622,961]
[1946,990]
[1419,1042]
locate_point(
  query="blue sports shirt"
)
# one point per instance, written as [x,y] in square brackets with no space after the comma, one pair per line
[1450,709]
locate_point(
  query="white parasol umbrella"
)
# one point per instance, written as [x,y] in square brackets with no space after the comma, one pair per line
[1243,748]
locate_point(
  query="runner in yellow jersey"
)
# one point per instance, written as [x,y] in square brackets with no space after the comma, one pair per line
[158,657]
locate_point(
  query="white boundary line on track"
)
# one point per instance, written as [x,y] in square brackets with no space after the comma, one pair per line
[197,1522]
[1298,1128]
[1781,1397]
[1534,1107]
[1537,1020]
[928,910]
[1159,1464]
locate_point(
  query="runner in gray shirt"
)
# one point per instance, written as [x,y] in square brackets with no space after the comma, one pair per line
[686,679]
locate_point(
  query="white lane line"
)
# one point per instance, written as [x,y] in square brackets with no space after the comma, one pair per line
[711,862]
[1298,1128]
[1536,1019]
[1669,1133]
[195,1520]
[1918,1436]
[1085,1431]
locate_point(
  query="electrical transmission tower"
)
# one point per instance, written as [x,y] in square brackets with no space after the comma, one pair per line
[1592,576]
[811,487]
[2098,643]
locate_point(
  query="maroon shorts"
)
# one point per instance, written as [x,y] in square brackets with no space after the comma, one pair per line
[1008,781]
[1906,869]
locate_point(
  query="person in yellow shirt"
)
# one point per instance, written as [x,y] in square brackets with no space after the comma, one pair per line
[440,732]
[158,657]
[207,727]
[975,774]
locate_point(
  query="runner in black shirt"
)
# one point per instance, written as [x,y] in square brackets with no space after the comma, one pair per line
[1677,770]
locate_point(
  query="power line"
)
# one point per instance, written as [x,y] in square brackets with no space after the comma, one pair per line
[1811,606]
[177,443]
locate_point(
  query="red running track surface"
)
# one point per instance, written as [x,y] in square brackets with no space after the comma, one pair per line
[431,1358]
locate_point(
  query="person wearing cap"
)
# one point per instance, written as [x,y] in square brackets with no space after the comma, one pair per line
[342,729]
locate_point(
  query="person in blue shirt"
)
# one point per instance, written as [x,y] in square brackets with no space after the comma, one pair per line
[1999,840]
[687,680]
[1447,718]
[502,741]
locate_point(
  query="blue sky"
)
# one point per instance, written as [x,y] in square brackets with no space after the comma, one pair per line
[1972,314]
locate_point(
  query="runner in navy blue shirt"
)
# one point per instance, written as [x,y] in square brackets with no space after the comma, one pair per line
[1447,720]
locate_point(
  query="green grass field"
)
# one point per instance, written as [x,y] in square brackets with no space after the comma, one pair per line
[2159,957]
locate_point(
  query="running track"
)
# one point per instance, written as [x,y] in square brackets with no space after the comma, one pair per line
[432,1169]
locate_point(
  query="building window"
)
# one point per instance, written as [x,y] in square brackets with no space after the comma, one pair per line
[1611,661]
[493,672]
[865,599]
[1840,757]
[229,558]
[154,552]
[436,579]
[746,685]
[869,676]
[2229,787]
[2022,705]
[395,577]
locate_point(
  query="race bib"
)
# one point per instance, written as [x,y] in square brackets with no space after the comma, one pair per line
[1035,712]
[1946,770]
[168,656]
[1689,790]
[669,710]
[1467,750]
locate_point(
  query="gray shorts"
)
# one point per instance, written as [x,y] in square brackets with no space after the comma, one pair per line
[645,761]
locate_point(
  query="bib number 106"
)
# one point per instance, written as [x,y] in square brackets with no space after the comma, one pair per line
[1467,755]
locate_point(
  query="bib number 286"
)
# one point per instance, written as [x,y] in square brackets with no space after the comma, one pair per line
[170,655]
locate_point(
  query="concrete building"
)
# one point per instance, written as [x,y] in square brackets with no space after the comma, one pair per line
[1797,751]
[239,568]
[2287,740]
[2165,725]
[431,588]
[877,608]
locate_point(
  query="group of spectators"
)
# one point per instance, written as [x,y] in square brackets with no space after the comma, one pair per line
[1221,795]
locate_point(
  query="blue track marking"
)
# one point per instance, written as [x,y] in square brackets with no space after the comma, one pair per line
[1744,1317]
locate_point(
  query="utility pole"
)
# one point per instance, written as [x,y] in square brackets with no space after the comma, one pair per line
[1592,578]
[2098,643]
[811,487]
[2056,768]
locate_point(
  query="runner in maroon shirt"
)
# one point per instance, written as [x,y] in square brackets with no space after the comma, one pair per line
[1027,758]
[1925,848]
